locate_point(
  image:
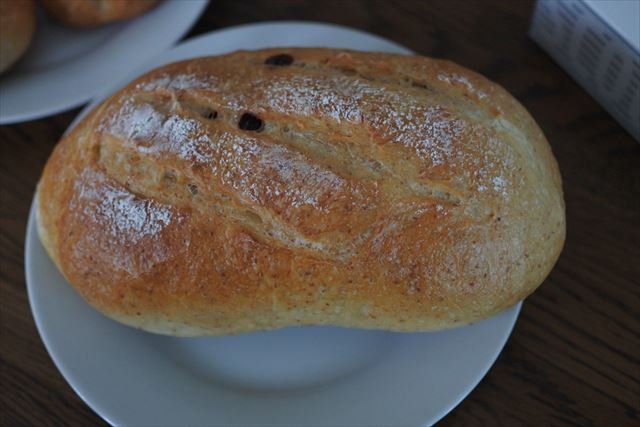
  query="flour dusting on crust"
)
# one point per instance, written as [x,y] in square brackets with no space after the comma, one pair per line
[128,218]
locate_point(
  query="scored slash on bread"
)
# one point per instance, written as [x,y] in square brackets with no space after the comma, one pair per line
[294,186]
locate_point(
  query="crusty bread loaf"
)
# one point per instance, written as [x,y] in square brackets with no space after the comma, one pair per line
[17,25]
[93,13]
[290,186]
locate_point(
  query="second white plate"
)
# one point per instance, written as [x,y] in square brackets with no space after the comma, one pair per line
[291,377]
[65,67]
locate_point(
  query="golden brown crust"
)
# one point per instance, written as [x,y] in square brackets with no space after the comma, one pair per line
[378,191]
[17,25]
[93,13]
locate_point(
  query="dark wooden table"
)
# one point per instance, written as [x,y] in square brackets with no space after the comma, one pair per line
[574,356]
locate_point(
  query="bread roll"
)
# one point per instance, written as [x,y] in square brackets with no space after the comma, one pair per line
[281,187]
[93,13]
[17,24]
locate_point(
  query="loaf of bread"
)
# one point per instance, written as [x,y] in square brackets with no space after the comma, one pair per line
[17,25]
[281,187]
[93,13]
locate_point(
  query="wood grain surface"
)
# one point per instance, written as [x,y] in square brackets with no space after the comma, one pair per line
[574,356]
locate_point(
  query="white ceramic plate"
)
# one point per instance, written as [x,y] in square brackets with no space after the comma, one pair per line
[64,67]
[291,377]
